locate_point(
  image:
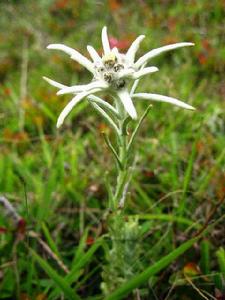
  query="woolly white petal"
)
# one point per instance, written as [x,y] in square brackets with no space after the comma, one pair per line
[144,72]
[75,55]
[71,105]
[161,98]
[83,88]
[115,51]
[54,83]
[158,51]
[130,55]
[68,108]
[105,41]
[93,53]
[127,103]
[126,73]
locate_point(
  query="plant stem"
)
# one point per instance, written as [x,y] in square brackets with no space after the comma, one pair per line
[123,171]
[124,234]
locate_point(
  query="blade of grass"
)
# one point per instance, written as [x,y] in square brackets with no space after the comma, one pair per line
[187,178]
[83,261]
[47,155]
[80,249]
[221,260]
[174,172]
[78,265]
[141,278]
[46,207]
[47,111]
[205,259]
[49,239]
[170,218]
[61,283]
[210,173]
[145,198]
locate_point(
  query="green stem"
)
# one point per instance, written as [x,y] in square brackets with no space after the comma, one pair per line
[123,233]
[123,171]
[124,151]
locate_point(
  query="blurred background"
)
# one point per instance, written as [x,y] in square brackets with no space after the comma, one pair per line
[54,178]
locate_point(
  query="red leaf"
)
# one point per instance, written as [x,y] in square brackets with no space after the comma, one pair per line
[21,228]
[149,174]
[7,91]
[206,45]
[191,269]
[3,230]
[61,4]
[114,4]
[202,58]
[90,240]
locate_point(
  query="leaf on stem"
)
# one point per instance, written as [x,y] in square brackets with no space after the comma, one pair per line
[108,107]
[108,143]
[105,116]
[137,127]
[141,278]
[124,126]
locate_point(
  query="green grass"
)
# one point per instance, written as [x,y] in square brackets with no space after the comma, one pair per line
[55,179]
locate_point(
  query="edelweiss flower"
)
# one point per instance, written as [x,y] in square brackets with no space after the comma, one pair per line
[113,71]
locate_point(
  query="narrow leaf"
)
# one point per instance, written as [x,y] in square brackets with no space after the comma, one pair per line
[105,116]
[108,143]
[169,218]
[221,260]
[141,278]
[77,267]
[51,242]
[137,127]
[205,256]
[81,247]
[59,280]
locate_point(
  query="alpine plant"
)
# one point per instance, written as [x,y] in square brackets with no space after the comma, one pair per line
[112,72]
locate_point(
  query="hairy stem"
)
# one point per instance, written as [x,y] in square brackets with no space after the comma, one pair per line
[123,171]
[124,234]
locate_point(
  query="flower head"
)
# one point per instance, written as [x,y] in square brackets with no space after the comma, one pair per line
[113,71]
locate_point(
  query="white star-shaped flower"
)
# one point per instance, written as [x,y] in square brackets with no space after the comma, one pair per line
[113,71]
